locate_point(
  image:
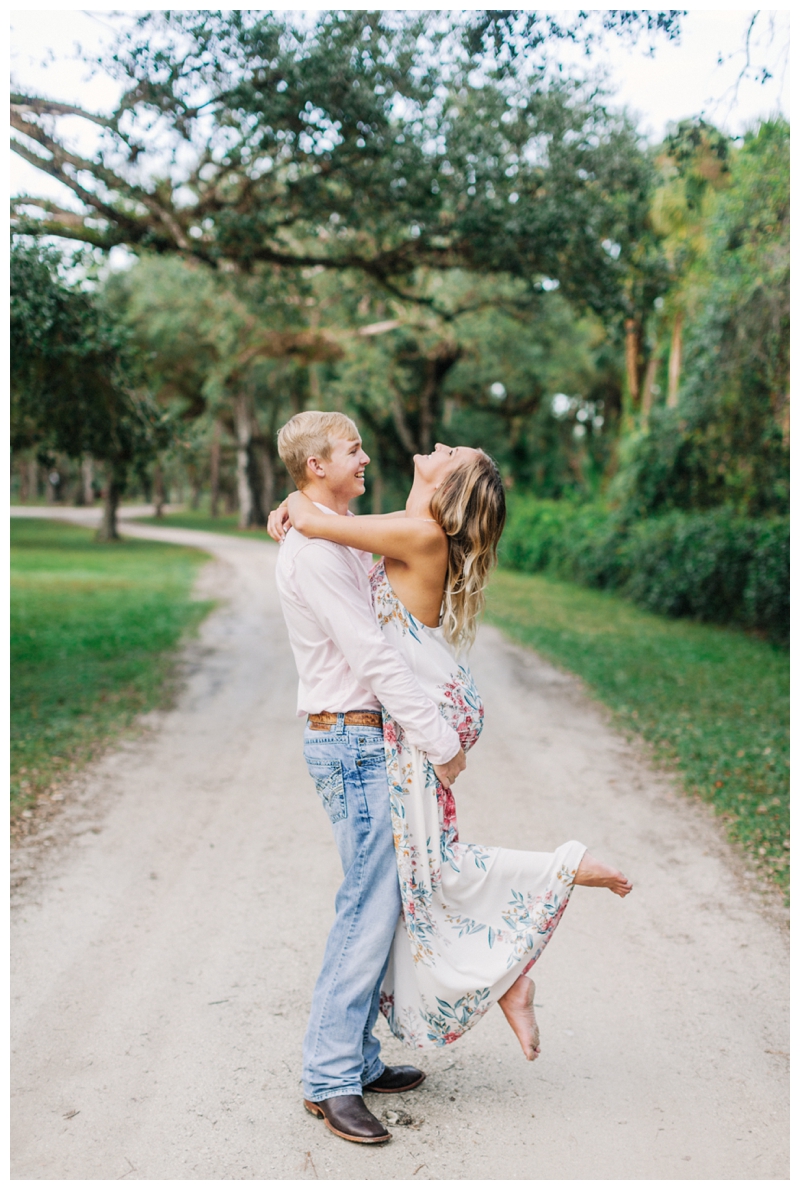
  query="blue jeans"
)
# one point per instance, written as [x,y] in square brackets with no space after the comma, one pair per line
[340,1053]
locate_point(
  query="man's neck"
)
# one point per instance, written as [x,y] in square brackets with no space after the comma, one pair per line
[320,494]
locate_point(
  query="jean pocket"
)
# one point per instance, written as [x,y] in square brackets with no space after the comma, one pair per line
[329,781]
[372,754]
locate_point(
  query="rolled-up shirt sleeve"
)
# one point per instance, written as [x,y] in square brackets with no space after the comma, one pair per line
[331,592]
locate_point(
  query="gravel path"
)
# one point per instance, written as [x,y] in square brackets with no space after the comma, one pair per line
[167,928]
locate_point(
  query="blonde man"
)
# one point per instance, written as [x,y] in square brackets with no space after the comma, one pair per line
[348,671]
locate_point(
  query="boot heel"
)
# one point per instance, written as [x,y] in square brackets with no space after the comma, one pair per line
[314,1109]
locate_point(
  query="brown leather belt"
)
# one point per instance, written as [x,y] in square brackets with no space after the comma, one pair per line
[351,719]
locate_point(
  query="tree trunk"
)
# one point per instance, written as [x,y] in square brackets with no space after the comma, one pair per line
[23,481]
[215,436]
[647,389]
[259,478]
[675,352]
[314,390]
[267,483]
[87,479]
[377,487]
[158,490]
[399,418]
[783,420]
[254,472]
[632,358]
[33,479]
[437,366]
[196,486]
[111,496]
[244,433]
[426,397]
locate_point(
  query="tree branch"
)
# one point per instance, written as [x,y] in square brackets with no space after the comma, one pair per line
[49,107]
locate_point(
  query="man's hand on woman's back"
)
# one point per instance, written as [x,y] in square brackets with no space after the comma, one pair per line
[278,522]
[447,773]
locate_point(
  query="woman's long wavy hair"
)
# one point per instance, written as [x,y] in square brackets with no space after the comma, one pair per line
[471,508]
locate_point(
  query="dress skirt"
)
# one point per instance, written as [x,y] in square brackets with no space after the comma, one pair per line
[473,918]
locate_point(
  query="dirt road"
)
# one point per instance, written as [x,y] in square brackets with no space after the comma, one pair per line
[166,937]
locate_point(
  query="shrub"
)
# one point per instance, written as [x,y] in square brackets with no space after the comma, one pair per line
[595,551]
[690,564]
[574,541]
[714,566]
[766,593]
[536,534]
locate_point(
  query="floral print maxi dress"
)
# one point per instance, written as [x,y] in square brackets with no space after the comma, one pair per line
[473,918]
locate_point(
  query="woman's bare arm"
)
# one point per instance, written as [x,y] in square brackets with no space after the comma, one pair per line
[394,535]
[279,521]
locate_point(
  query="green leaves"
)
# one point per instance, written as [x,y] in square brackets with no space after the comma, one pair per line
[367,140]
[73,373]
[712,566]
[726,441]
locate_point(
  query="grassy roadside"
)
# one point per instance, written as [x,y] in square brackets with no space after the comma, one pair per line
[713,701]
[189,519]
[92,632]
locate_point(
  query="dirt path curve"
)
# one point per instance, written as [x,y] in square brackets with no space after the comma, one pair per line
[166,941]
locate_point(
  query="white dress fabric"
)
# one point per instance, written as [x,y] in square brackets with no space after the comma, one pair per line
[473,918]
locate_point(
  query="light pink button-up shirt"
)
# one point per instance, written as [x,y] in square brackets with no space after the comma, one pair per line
[343,660]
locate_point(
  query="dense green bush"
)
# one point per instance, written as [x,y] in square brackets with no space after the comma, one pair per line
[583,542]
[766,593]
[594,553]
[689,564]
[535,534]
[713,566]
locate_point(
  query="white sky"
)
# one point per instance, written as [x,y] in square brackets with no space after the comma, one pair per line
[679,81]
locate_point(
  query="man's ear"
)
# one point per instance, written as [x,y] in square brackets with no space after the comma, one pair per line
[315,466]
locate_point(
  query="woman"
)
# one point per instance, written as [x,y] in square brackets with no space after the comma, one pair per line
[475,918]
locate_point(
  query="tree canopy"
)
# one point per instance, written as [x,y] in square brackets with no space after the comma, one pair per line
[382,141]
[418,218]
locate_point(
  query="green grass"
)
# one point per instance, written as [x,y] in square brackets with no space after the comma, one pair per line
[713,701]
[189,519]
[93,627]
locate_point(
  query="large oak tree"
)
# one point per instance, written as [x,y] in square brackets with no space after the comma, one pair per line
[381,141]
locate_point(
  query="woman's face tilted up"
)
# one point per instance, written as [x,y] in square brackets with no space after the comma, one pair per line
[442,461]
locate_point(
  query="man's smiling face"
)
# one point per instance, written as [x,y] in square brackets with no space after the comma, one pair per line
[344,470]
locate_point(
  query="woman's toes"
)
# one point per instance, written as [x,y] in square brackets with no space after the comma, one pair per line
[594,874]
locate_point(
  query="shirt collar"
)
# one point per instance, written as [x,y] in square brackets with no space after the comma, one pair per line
[324,508]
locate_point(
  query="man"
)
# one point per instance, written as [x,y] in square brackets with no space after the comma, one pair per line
[347,671]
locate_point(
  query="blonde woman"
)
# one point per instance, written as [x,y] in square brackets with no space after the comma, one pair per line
[474,919]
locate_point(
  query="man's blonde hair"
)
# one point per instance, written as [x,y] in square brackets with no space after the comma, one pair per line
[308,435]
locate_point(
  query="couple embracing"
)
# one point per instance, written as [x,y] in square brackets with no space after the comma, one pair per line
[429,930]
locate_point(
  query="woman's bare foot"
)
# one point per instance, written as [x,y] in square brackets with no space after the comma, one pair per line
[595,874]
[517,1004]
